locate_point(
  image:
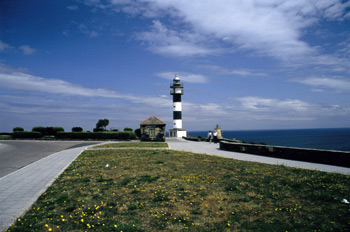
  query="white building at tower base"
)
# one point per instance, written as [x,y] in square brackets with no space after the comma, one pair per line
[177,133]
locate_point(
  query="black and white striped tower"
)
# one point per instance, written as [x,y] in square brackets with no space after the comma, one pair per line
[177,91]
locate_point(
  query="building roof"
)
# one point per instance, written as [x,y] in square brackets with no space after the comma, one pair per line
[153,120]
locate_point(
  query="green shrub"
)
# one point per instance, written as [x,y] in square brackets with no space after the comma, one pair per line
[57,129]
[39,129]
[48,131]
[77,129]
[17,129]
[26,135]
[128,129]
[98,129]
[52,131]
[138,132]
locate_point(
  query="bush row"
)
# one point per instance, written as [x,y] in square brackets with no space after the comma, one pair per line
[26,135]
[48,130]
[120,135]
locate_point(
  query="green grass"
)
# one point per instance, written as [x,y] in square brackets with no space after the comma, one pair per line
[166,190]
[133,144]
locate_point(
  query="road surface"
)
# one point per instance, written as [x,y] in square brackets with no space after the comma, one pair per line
[16,154]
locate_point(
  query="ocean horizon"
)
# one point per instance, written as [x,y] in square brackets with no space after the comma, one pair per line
[321,138]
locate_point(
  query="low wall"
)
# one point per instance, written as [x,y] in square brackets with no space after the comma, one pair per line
[337,158]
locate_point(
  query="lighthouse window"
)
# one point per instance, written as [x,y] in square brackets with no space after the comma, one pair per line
[177,114]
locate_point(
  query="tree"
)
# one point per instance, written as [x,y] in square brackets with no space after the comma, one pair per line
[17,129]
[102,124]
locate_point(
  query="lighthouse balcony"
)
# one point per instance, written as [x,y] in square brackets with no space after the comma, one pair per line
[176,86]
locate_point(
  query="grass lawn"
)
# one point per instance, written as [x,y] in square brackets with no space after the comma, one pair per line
[166,190]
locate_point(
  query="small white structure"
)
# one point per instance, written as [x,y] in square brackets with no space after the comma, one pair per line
[177,91]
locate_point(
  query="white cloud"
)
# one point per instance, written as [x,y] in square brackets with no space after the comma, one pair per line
[85,30]
[270,105]
[8,69]
[185,77]
[336,83]
[274,112]
[277,109]
[46,98]
[26,82]
[4,46]
[73,7]
[274,28]
[29,100]
[170,42]
[27,50]
[244,72]
[238,72]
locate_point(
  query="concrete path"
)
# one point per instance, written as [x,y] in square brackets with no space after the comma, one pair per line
[20,189]
[213,149]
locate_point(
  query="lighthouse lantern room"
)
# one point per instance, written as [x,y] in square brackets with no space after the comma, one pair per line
[177,91]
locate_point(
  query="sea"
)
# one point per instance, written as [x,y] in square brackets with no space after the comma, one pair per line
[326,139]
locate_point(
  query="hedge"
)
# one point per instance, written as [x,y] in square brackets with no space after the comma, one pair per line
[48,130]
[26,135]
[40,129]
[120,135]
[128,129]
[77,129]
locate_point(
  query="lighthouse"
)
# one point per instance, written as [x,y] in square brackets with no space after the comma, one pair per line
[177,91]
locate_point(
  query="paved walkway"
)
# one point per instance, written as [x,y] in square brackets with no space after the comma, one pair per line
[20,189]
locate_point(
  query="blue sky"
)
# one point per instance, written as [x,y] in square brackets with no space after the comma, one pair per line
[249,64]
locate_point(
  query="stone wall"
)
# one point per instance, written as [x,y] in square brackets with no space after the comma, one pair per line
[338,158]
[153,133]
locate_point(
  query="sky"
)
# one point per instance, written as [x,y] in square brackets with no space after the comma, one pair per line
[245,64]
